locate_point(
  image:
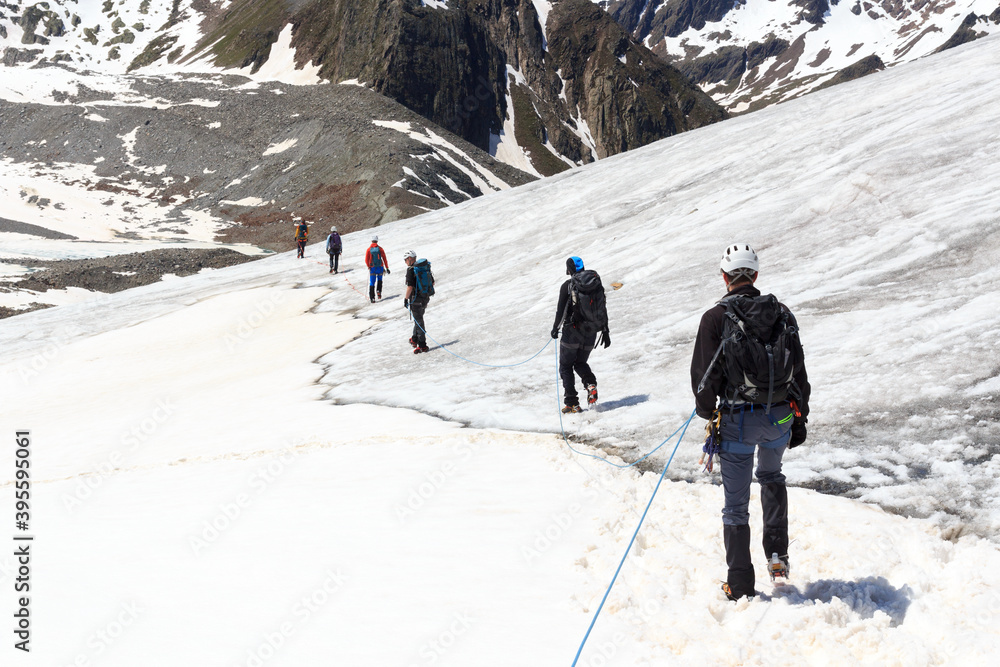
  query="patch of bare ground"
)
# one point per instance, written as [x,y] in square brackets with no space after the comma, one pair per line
[821,58]
[322,207]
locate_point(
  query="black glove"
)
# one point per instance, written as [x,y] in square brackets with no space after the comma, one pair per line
[406,304]
[798,433]
[387,271]
[606,337]
[555,332]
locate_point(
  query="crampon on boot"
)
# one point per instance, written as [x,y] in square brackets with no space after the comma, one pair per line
[778,569]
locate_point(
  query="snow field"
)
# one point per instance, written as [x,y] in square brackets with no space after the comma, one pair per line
[190,460]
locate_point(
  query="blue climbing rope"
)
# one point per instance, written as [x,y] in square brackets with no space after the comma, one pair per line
[682,429]
[441,345]
[601,458]
[629,548]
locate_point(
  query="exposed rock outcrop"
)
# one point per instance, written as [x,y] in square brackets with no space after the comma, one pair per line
[451,66]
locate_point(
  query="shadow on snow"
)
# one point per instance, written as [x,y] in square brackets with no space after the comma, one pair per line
[865,597]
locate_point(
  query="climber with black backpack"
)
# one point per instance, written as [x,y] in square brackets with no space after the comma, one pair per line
[419,290]
[582,313]
[749,359]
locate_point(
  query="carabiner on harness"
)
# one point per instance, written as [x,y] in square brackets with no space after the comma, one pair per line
[710,450]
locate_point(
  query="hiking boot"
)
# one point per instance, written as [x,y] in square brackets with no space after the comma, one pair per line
[591,394]
[732,596]
[422,348]
[572,408]
[413,342]
[379,295]
[373,299]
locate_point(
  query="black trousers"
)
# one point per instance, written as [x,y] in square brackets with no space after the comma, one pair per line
[334,261]
[301,245]
[573,359]
[417,308]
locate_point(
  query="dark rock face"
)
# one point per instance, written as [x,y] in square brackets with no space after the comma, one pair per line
[759,52]
[625,93]
[451,67]
[813,11]
[731,62]
[863,67]
[659,18]
[967,32]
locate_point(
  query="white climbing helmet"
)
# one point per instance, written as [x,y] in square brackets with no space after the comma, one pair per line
[374,238]
[333,229]
[408,254]
[739,256]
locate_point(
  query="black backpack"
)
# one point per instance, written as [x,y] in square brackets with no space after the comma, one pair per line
[590,310]
[759,350]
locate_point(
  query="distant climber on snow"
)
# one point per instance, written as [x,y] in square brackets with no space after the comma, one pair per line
[334,246]
[748,356]
[582,313]
[377,265]
[419,290]
[301,237]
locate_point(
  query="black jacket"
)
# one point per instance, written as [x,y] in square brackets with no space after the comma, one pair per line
[564,317]
[707,342]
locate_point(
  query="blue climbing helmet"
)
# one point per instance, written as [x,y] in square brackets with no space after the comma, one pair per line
[573,265]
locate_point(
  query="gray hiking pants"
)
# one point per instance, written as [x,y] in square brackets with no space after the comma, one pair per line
[736,478]
[742,432]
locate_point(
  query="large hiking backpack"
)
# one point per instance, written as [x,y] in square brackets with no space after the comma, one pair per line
[423,277]
[759,350]
[333,244]
[301,232]
[375,253]
[590,310]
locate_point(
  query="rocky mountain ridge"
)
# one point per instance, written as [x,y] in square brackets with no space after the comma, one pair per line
[750,53]
[541,85]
